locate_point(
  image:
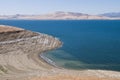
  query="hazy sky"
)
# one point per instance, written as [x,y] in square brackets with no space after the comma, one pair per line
[48,6]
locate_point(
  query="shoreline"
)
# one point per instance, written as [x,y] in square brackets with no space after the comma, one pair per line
[47,60]
[52,63]
[22,61]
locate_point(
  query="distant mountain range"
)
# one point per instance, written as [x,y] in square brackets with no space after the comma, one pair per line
[63,16]
[112,15]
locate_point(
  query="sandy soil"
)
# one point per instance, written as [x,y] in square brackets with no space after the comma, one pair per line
[69,77]
[79,75]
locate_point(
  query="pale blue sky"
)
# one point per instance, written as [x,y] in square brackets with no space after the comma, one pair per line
[48,6]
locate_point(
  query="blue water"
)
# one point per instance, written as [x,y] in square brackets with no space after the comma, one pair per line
[88,44]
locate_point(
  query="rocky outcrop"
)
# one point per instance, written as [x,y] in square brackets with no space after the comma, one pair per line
[6,36]
[19,51]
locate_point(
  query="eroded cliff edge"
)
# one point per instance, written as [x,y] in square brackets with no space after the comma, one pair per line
[20,49]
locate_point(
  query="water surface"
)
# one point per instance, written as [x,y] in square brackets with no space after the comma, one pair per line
[88,44]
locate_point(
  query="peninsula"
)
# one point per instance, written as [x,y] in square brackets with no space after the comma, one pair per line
[19,58]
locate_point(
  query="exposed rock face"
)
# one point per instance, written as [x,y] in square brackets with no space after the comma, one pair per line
[6,36]
[19,51]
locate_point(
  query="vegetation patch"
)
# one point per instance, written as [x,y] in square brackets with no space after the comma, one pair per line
[3,69]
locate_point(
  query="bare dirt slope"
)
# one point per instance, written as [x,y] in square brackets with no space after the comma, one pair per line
[3,28]
[19,52]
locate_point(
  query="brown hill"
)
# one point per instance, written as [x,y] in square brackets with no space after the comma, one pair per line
[3,28]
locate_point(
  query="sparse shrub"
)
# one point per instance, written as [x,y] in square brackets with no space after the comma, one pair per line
[3,69]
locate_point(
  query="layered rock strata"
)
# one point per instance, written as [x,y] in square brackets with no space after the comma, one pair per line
[19,51]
